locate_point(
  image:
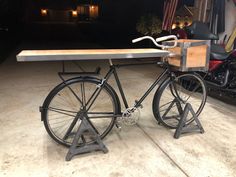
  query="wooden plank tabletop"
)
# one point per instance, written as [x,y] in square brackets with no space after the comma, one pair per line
[88,54]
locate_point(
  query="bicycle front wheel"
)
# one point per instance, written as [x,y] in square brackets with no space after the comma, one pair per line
[64,105]
[172,96]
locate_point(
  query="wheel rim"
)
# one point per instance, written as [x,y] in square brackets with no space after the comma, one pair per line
[63,120]
[184,89]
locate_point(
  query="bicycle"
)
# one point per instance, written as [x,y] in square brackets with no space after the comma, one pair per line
[91,98]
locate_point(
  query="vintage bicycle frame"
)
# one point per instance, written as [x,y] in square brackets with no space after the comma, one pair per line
[113,71]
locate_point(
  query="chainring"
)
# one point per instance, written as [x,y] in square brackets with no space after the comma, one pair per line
[130,116]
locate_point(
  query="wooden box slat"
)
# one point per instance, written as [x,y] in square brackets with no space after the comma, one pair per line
[196,56]
[191,55]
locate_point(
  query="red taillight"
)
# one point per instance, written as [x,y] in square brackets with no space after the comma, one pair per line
[214,64]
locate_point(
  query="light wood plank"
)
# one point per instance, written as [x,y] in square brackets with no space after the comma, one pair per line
[88,54]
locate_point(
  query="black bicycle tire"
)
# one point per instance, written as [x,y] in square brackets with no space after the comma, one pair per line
[159,92]
[64,84]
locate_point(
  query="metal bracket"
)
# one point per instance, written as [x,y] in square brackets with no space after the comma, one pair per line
[102,82]
[96,72]
[41,109]
[110,62]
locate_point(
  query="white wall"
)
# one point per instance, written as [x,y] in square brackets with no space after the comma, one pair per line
[230,18]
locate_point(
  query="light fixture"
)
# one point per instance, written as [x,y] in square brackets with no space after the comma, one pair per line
[92,7]
[44,12]
[74,13]
[173,26]
[181,25]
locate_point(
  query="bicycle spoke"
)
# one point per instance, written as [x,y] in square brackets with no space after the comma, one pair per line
[99,117]
[72,125]
[168,109]
[90,122]
[69,98]
[82,89]
[76,96]
[93,99]
[172,117]
[61,111]
[57,118]
[92,96]
[62,132]
[51,108]
[55,123]
[190,84]
[193,91]
[165,105]
[186,88]
[64,101]
[59,127]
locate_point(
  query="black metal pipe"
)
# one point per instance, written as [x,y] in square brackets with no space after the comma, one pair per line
[99,88]
[78,73]
[138,103]
[134,64]
[120,87]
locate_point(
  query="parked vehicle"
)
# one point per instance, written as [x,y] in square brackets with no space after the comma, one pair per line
[221,76]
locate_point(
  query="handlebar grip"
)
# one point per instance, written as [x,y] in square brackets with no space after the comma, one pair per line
[164,38]
[136,40]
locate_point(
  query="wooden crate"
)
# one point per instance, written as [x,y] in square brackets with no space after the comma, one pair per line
[191,55]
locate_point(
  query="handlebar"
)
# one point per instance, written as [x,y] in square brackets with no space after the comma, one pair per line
[160,39]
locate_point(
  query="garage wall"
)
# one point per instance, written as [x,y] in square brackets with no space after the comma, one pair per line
[230,18]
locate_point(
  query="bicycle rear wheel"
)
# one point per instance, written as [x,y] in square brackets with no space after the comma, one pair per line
[172,96]
[64,105]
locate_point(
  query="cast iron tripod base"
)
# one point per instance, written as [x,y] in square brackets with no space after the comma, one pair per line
[97,145]
[183,128]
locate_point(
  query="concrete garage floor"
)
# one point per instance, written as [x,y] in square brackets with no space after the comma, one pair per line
[144,150]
